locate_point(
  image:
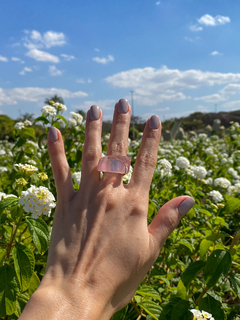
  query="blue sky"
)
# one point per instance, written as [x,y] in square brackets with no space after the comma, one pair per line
[178,56]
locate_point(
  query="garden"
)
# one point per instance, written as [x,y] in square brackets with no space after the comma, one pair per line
[197,273]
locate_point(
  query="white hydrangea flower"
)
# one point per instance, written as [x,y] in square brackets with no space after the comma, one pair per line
[49,110]
[77,177]
[19,125]
[2,152]
[222,182]
[27,123]
[202,135]
[182,163]
[127,177]
[199,172]
[209,181]
[216,196]
[78,117]
[26,168]
[60,107]
[165,167]
[209,151]
[37,201]
[3,169]
[32,162]
[201,315]
[72,123]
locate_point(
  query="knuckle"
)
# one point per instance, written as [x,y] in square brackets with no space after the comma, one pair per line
[91,154]
[147,160]
[118,147]
[171,221]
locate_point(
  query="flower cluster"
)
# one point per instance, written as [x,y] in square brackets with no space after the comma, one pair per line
[49,111]
[26,168]
[216,196]
[199,172]
[165,167]
[78,117]
[77,177]
[182,163]
[222,182]
[201,315]
[60,107]
[19,125]
[127,177]
[37,200]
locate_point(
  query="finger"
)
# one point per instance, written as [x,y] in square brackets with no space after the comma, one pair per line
[118,142]
[60,167]
[92,150]
[147,156]
[167,220]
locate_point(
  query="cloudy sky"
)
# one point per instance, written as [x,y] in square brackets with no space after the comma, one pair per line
[178,56]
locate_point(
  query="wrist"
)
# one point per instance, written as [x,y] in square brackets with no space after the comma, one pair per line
[52,303]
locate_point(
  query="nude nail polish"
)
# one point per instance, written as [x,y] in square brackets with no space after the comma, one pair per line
[94,112]
[185,206]
[154,122]
[122,106]
[53,134]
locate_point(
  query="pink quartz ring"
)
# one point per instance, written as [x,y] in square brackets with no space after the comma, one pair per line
[114,164]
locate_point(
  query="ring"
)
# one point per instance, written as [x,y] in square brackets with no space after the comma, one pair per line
[114,164]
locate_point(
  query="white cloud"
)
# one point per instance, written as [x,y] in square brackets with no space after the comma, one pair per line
[35,40]
[231,105]
[16,59]
[34,94]
[208,20]
[195,28]
[215,53]
[202,109]
[223,95]
[42,56]
[104,60]
[54,71]
[156,85]
[103,104]
[67,57]
[96,49]
[162,109]
[26,69]
[192,39]
[4,59]
[158,3]
[212,98]
[82,80]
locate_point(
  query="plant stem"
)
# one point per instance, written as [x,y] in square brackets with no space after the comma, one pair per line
[201,295]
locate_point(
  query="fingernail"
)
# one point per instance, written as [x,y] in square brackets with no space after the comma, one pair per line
[53,135]
[94,112]
[154,122]
[185,206]
[122,106]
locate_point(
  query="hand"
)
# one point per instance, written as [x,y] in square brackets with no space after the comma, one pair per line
[101,246]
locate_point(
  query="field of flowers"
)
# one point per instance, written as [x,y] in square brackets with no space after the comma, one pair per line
[198,268]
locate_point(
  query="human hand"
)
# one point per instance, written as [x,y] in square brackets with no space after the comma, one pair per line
[101,246]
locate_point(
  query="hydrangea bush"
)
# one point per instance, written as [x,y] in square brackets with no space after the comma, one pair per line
[197,273]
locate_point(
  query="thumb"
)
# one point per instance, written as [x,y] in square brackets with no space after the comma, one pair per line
[167,220]
[60,167]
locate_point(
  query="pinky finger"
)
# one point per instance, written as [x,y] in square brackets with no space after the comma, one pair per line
[60,167]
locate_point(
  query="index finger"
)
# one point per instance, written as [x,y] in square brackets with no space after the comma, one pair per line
[147,156]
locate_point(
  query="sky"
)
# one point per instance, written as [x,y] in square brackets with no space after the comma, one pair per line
[177,56]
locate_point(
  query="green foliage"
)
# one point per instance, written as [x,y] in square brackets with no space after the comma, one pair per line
[199,265]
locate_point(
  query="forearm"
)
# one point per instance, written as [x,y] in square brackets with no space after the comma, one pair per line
[48,304]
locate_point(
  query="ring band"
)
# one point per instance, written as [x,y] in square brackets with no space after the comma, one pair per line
[114,164]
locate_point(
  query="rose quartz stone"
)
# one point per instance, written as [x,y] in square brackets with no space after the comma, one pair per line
[115,164]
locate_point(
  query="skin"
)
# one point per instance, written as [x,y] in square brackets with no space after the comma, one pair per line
[101,247]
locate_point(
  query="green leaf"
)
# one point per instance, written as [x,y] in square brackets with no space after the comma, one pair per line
[157,271]
[204,246]
[24,264]
[235,279]
[181,309]
[232,205]
[186,244]
[3,253]
[145,290]
[21,302]
[30,132]
[43,119]
[163,279]
[8,203]
[40,233]
[61,117]
[217,264]
[181,291]
[120,315]
[151,308]
[212,306]
[192,271]
[34,283]
[9,288]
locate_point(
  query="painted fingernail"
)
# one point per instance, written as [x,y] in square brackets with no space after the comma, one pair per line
[94,112]
[122,106]
[154,122]
[53,135]
[185,206]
